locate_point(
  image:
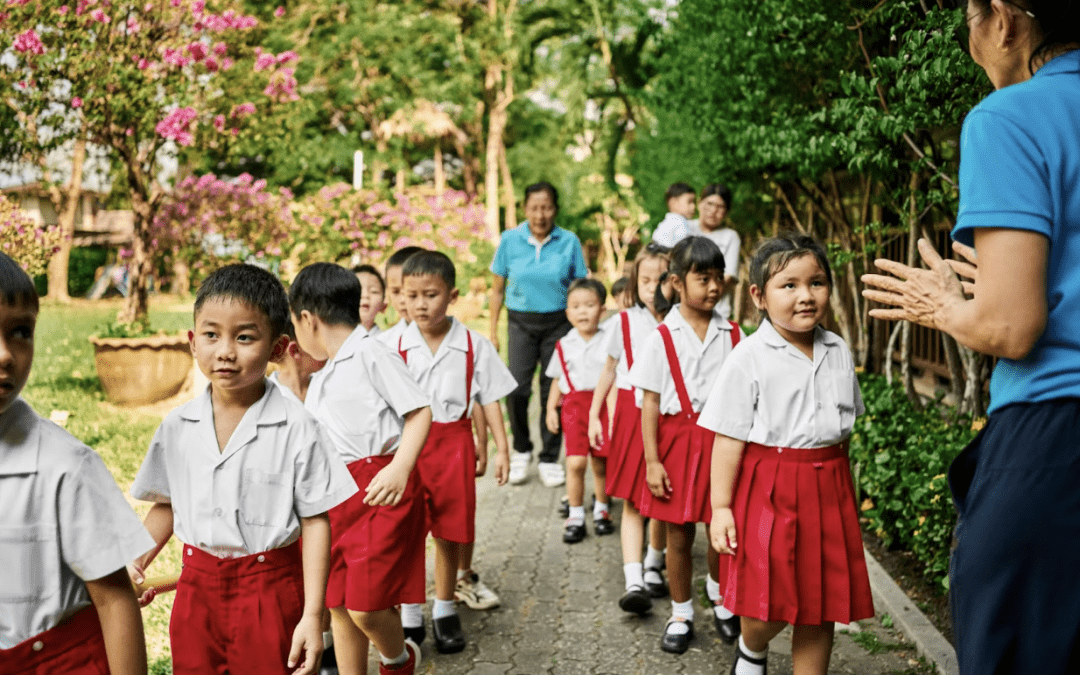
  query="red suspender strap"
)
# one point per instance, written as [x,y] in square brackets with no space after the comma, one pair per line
[734,334]
[565,370]
[627,348]
[470,368]
[404,354]
[676,370]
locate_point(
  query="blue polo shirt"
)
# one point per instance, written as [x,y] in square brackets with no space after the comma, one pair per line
[1020,169]
[538,274]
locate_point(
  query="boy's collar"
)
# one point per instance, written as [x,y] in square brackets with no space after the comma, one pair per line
[270,408]
[455,338]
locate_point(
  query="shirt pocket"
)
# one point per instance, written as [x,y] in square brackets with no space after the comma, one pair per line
[29,563]
[266,499]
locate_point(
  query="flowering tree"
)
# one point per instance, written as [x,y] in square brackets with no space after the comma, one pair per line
[24,240]
[145,78]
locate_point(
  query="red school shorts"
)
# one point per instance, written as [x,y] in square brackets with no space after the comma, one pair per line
[447,472]
[376,552]
[74,647]
[236,615]
[575,424]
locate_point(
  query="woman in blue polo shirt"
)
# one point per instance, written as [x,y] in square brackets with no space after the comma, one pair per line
[533,267]
[1015,591]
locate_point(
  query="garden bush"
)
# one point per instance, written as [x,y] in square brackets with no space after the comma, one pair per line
[900,457]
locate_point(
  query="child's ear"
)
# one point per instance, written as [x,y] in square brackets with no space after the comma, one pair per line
[293,349]
[757,296]
[191,341]
[279,347]
[454,294]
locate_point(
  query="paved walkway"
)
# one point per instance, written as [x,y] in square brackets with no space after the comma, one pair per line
[559,613]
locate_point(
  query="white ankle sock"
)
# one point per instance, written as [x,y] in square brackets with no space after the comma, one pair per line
[744,667]
[577,513]
[632,573]
[712,589]
[598,510]
[681,612]
[327,639]
[412,616]
[442,608]
[654,558]
[395,662]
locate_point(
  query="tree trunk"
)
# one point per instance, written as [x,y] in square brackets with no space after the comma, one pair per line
[142,265]
[496,127]
[468,166]
[440,173]
[509,201]
[67,206]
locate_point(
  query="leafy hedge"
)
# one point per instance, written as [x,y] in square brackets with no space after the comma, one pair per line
[900,457]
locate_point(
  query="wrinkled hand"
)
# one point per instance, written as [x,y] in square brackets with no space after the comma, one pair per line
[502,467]
[386,488]
[657,478]
[917,295]
[722,531]
[307,645]
[596,432]
[967,271]
[553,421]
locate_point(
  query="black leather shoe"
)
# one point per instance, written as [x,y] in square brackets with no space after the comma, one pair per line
[659,590]
[603,526]
[741,656]
[573,533]
[729,629]
[674,643]
[636,601]
[564,507]
[417,634]
[449,638]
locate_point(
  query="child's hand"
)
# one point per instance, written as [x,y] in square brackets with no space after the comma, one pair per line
[502,467]
[307,645]
[481,462]
[138,576]
[657,478]
[596,432]
[386,488]
[553,421]
[722,531]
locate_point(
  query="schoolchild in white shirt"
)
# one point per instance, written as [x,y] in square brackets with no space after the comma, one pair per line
[294,368]
[575,368]
[395,284]
[239,474]
[782,408]
[378,418]
[66,532]
[457,367]
[625,478]
[372,296]
[693,340]
[681,203]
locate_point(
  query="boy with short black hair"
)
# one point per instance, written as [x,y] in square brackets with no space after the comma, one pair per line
[393,293]
[66,530]
[681,200]
[372,296]
[378,418]
[240,473]
[455,366]
[295,367]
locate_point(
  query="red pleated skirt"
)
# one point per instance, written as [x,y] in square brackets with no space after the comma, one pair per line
[575,424]
[800,556]
[685,450]
[625,459]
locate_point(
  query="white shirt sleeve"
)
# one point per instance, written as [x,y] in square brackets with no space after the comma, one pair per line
[650,364]
[554,366]
[152,482]
[392,380]
[614,346]
[729,409]
[492,380]
[322,479]
[731,255]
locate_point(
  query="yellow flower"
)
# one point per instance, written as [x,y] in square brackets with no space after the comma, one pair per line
[867,504]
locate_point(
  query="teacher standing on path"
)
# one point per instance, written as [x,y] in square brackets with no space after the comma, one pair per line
[1015,591]
[533,267]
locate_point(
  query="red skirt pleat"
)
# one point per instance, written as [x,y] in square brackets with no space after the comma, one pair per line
[685,449]
[799,557]
[625,458]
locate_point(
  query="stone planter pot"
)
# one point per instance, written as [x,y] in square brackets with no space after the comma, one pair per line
[139,371]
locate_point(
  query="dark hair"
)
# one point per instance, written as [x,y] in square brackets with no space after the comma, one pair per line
[16,286]
[678,190]
[772,255]
[588,285]
[252,286]
[398,258]
[369,269]
[650,252]
[1058,20]
[430,262]
[328,291]
[718,189]
[290,330]
[621,285]
[691,254]
[543,186]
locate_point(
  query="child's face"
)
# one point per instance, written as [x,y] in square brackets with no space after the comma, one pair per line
[583,310]
[394,287]
[17,325]
[648,276]
[232,343]
[796,297]
[683,205]
[372,298]
[701,290]
[427,298]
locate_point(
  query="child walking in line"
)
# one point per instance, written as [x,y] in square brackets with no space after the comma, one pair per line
[394,288]
[66,531]
[783,501]
[576,366]
[693,340]
[456,367]
[625,462]
[372,296]
[378,418]
[681,203]
[240,474]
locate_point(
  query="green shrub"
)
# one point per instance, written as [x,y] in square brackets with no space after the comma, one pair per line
[83,265]
[900,457]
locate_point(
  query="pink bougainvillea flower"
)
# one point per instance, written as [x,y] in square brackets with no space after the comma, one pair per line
[285,57]
[265,61]
[143,64]
[240,111]
[29,43]
[62,10]
[197,50]
[219,122]
[100,16]
[221,49]
[76,102]
[177,126]
[279,12]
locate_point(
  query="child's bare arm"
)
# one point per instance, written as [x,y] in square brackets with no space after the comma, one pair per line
[481,431]
[121,623]
[655,473]
[386,488]
[159,523]
[554,397]
[307,644]
[726,455]
[607,378]
[493,414]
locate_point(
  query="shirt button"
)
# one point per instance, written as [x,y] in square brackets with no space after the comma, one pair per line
[261,558]
[190,552]
[217,512]
[779,449]
[38,646]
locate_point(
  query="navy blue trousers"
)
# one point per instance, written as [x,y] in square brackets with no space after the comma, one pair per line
[531,340]
[1015,572]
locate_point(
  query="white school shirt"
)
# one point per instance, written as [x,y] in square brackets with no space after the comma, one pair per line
[442,374]
[362,395]
[642,323]
[727,240]
[585,360]
[278,466]
[699,361]
[63,521]
[375,331]
[770,393]
[671,230]
[389,337]
[285,391]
